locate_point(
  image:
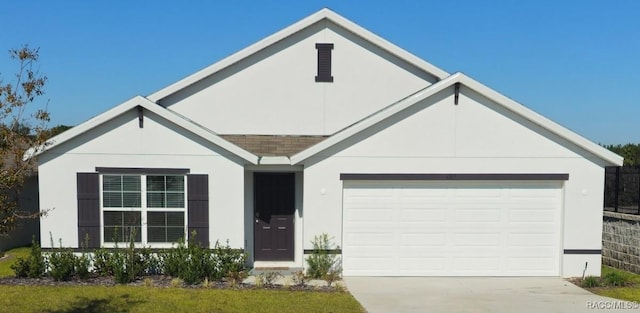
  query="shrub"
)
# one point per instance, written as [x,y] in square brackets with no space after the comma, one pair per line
[34,265]
[228,262]
[103,262]
[1,254]
[590,282]
[62,263]
[149,263]
[190,262]
[320,262]
[299,279]
[271,277]
[83,265]
[615,279]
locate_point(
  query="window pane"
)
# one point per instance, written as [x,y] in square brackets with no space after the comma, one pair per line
[131,183]
[110,234]
[155,200]
[112,183]
[131,219]
[156,219]
[156,234]
[175,219]
[131,231]
[131,200]
[112,199]
[155,183]
[175,200]
[175,183]
[175,233]
[113,218]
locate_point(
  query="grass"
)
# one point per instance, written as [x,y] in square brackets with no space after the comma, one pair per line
[619,284]
[61,299]
[151,299]
[11,257]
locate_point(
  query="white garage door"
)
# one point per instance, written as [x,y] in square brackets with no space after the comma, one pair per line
[451,228]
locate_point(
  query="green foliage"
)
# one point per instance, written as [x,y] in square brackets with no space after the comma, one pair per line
[11,258]
[230,263]
[1,254]
[193,263]
[630,152]
[590,282]
[615,279]
[102,262]
[321,262]
[83,265]
[21,128]
[33,266]
[62,263]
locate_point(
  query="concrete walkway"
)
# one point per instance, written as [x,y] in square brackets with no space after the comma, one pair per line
[451,294]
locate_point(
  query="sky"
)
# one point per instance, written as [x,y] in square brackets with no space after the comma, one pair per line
[577,62]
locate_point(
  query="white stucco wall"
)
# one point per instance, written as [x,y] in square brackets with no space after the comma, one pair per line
[436,136]
[274,91]
[121,143]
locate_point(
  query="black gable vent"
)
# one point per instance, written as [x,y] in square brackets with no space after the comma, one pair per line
[324,62]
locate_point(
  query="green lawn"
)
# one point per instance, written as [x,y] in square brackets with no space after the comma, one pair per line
[156,299]
[152,299]
[631,292]
[11,257]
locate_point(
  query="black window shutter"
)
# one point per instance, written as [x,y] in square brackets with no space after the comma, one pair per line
[324,62]
[198,207]
[88,209]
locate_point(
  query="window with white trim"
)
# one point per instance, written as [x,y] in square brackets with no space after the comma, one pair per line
[148,207]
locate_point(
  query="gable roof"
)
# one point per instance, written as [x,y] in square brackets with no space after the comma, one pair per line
[297,27]
[511,105]
[166,114]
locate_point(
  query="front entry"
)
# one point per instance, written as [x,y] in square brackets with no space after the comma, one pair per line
[274,207]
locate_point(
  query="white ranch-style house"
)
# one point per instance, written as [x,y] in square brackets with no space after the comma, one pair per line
[324,127]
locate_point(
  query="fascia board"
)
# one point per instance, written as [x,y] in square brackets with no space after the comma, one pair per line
[90,124]
[511,105]
[156,109]
[597,150]
[200,131]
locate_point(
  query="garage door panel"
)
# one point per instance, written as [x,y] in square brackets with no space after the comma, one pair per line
[530,240]
[529,215]
[476,239]
[422,214]
[452,228]
[477,215]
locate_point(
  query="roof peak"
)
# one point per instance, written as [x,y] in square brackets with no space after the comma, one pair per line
[324,13]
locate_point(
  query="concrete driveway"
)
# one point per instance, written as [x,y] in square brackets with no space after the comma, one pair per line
[478,294]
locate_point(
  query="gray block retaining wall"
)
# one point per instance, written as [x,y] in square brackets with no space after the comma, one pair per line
[621,241]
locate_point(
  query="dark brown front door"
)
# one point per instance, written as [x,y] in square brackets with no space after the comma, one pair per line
[274,203]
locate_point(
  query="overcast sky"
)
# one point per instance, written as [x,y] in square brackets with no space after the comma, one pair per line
[575,62]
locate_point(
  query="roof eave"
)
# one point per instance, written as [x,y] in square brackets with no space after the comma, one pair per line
[156,109]
[600,152]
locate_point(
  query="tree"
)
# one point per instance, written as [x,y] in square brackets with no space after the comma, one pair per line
[630,152]
[22,133]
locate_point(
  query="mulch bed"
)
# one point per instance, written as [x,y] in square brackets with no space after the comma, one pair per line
[153,280]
